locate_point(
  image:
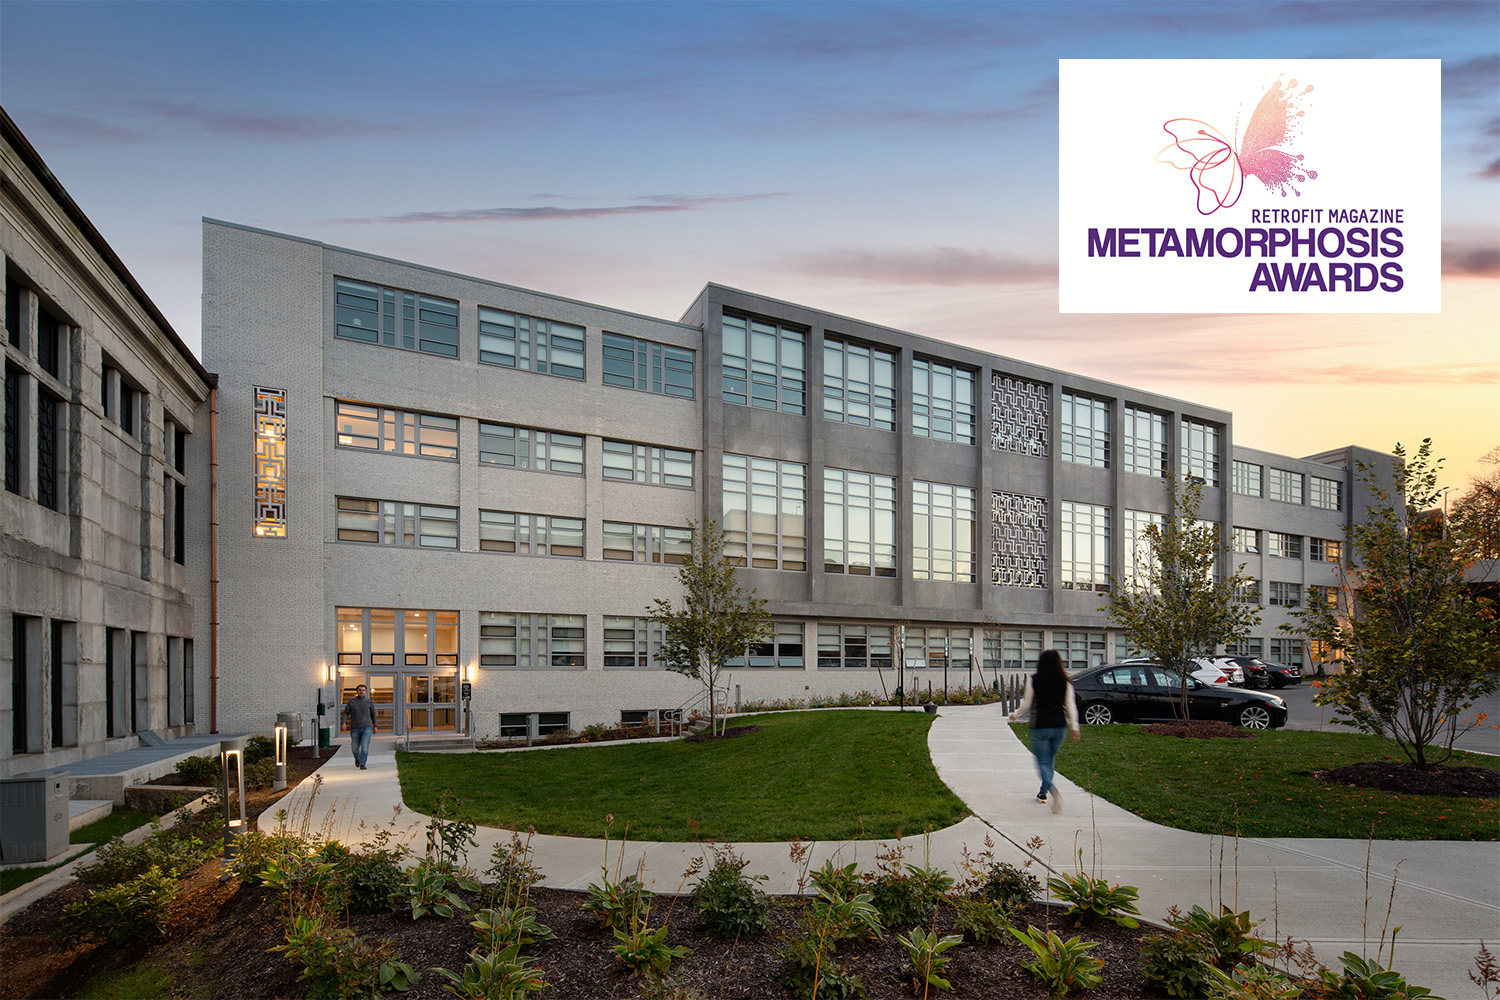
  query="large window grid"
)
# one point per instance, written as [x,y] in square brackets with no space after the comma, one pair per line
[1081,650]
[1279,543]
[1246,479]
[374,428]
[632,642]
[1325,494]
[942,401]
[1284,595]
[648,366]
[387,637]
[529,448]
[1248,592]
[1145,435]
[781,647]
[1245,647]
[1085,547]
[1246,540]
[530,344]
[518,639]
[1288,651]
[859,523]
[1325,550]
[1018,529]
[859,384]
[1200,450]
[764,365]
[391,522]
[854,646]
[372,314]
[1284,486]
[651,543]
[764,513]
[1018,416]
[1139,556]
[1084,425]
[530,534]
[1014,649]
[936,648]
[647,463]
[943,532]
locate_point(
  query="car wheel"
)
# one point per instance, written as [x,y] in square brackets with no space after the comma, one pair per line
[1255,717]
[1096,713]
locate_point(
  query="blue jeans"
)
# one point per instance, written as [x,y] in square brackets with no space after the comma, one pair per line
[361,738]
[1044,744]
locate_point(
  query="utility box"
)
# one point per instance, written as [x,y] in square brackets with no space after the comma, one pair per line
[293,723]
[34,816]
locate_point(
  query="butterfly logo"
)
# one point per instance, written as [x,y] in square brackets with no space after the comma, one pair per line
[1218,171]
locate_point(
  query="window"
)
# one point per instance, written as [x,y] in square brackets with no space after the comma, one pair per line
[1020,649]
[1145,434]
[1247,479]
[859,523]
[1288,651]
[1248,593]
[270,463]
[859,384]
[528,448]
[856,646]
[390,522]
[14,325]
[25,698]
[1286,546]
[530,534]
[632,642]
[517,639]
[118,398]
[764,513]
[1139,556]
[1284,595]
[384,637]
[1324,595]
[1018,421]
[648,366]
[47,341]
[764,365]
[1325,550]
[373,428]
[14,435]
[645,463]
[369,313]
[1246,540]
[48,455]
[1018,530]
[781,648]
[1085,547]
[1200,450]
[1284,486]
[1084,424]
[537,345]
[650,543]
[1081,650]
[936,648]
[1245,647]
[174,519]
[943,527]
[1325,494]
[942,401]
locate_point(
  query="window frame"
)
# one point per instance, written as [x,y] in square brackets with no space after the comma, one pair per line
[928,551]
[1084,442]
[848,512]
[750,377]
[844,394]
[543,346]
[651,366]
[649,465]
[532,534]
[420,315]
[928,415]
[534,449]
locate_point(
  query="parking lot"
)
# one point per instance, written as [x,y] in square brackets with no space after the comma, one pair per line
[1303,714]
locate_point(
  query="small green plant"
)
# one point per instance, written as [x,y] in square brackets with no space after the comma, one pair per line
[1252,982]
[449,834]
[259,748]
[338,964]
[1090,899]
[1061,965]
[497,929]
[832,880]
[397,975]
[1179,964]
[117,862]
[1227,936]
[260,774]
[642,950]
[500,975]
[616,904]
[427,889]
[374,879]
[1362,979]
[839,919]
[926,961]
[511,874]
[199,770]
[121,914]
[729,903]
[1008,885]
[981,920]
[812,973]
[147,981]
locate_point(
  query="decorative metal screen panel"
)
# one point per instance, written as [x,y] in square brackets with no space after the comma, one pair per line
[1019,529]
[1018,416]
[270,463]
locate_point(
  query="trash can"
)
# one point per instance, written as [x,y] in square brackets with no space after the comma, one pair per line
[34,816]
[325,738]
[293,723]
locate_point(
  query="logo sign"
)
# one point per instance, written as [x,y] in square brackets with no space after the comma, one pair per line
[1249,186]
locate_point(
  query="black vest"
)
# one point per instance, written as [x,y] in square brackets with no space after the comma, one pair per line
[1047,694]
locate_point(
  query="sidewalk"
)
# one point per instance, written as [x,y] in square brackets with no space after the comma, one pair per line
[1447,893]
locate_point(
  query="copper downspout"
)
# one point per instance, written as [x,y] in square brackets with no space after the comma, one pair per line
[213,559]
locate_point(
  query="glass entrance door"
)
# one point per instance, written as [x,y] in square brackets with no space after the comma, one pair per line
[431,703]
[381,690]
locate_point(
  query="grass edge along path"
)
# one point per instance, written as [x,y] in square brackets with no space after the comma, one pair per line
[847,775]
[116,824]
[1264,786]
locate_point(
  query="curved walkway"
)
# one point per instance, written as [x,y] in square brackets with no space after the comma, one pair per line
[1333,893]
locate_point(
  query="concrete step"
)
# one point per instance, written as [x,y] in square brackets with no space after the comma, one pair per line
[82,812]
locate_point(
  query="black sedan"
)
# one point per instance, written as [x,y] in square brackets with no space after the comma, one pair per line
[1143,692]
[1282,674]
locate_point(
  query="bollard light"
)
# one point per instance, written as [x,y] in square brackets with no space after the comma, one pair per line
[278,783]
[232,752]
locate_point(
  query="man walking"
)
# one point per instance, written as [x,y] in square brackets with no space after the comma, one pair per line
[360,711]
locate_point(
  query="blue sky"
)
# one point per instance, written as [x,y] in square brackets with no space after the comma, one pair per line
[895,162]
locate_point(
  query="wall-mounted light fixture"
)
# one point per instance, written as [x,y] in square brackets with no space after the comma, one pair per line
[232,754]
[278,783]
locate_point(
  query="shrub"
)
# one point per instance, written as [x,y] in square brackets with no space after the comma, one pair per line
[427,888]
[642,950]
[615,904]
[1011,887]
[1179,964]
[201,770]
[374,880]
[126,913]
[926,960]
[1227,936]
[511,873]
[500,975]
[1362,979]
[1062,965]
[338,964]
[449,834]
[558,736]
[1090,899]
[118,862]
[259,748]
[981,920]
[1253,982]
[260,774]
[833,881]
[729,903]
[497,929]
[254,851]
[812,973]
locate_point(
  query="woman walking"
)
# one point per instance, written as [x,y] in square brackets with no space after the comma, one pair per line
[1049,696]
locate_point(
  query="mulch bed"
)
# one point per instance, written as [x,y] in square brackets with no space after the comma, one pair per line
[1393,776]
[1204,729]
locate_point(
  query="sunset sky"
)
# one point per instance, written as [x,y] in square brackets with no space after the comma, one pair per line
[892,162]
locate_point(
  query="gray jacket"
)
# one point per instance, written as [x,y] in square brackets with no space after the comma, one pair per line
[360,712]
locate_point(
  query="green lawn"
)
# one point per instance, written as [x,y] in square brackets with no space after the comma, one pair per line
[116,824]
[816,775]
[1264,786]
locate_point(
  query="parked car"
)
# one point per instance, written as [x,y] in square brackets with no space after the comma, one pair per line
[1206,671]
[1145,692]
[1253,670]
[1282,674]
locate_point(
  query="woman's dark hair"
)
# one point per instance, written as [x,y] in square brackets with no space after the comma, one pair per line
[1050,665]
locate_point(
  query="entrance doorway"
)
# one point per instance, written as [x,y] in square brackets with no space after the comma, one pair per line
[406,703]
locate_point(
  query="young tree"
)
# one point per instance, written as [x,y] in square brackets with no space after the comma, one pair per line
[1476,515]
[1419,646]
[717,619]
[1177,606]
